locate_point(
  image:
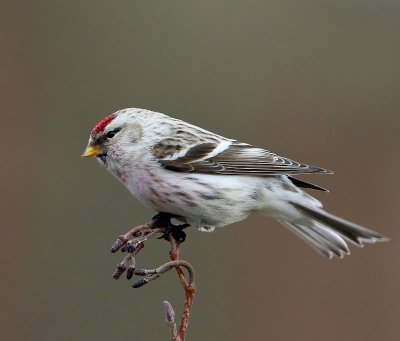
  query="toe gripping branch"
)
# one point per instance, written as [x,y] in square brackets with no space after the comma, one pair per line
[132,243]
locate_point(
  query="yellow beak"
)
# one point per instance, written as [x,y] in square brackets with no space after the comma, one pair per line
[92,151]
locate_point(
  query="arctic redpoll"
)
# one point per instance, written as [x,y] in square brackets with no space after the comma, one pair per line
[210,181]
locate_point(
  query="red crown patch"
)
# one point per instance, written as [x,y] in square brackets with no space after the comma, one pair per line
[103,124]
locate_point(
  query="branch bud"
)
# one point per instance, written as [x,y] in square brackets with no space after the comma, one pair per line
[169,313]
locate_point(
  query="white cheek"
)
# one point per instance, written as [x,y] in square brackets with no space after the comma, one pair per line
[117,149]
[113,151]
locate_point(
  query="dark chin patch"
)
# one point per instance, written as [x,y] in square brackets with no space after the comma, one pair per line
[103,158]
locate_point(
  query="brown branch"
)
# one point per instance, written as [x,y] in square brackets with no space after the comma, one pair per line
[132,242]
[188,286]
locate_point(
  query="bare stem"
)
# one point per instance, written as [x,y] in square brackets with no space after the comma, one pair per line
[188,286]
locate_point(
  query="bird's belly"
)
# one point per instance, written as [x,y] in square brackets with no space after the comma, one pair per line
[204,201]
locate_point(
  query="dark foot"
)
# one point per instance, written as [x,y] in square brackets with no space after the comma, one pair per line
[176,231]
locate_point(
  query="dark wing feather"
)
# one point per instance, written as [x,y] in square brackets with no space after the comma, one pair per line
[304,184]
[236,159]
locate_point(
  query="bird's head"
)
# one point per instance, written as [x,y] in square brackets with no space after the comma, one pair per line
[117,138]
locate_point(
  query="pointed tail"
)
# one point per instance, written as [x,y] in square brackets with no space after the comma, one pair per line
[327,233]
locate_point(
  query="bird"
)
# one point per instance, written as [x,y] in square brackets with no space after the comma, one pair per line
[209,181]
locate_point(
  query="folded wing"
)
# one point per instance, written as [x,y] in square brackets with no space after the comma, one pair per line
[228,157]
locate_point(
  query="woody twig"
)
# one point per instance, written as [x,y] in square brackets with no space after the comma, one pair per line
[132,243]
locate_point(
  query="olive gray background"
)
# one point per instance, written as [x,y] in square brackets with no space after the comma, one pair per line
[316,81]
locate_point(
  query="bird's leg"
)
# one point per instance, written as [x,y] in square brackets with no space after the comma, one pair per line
[163,220]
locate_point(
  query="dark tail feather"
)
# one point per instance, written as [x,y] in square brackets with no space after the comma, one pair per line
[323,240]
[357,234]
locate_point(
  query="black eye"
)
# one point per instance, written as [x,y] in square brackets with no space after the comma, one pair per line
[111,134]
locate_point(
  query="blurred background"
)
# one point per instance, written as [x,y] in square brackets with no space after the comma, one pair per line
[316,81]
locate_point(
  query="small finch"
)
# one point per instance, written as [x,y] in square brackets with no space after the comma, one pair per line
[209,181]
